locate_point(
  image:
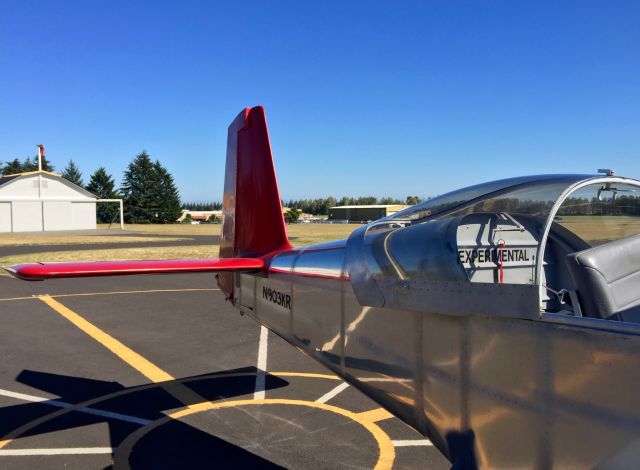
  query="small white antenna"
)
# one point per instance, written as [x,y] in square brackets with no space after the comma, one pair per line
[40,155]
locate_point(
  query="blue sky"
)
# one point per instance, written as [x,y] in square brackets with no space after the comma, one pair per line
[362,97]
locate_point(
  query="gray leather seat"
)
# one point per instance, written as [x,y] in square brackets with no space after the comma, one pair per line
[607,279]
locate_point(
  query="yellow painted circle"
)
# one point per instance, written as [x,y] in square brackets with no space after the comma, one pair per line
[385,459]
[21,430]
[387,452]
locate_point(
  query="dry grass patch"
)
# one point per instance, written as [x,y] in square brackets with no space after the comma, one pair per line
[114,254]
[172,229]
[307,234]
[39,240]
[594,228]
[302,234]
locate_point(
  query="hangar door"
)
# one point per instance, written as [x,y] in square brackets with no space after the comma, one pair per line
[69,215]
[83,215]
[27,216]
[57,215]
[5,217]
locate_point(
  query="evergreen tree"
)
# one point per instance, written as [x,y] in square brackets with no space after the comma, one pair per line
[331,202]
[137,190]
[149,192]
[103,186]
[46,164]
[11,168]
[29,164]
[72,173]
[166,195]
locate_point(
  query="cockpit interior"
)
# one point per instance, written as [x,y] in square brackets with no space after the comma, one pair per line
[574,239]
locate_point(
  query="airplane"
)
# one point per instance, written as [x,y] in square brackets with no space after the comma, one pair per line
[501,320]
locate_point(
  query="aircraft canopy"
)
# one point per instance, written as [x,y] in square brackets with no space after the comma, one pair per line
[512,234]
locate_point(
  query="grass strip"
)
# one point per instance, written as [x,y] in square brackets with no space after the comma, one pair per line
[177,252]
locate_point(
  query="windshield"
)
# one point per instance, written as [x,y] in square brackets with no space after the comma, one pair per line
[450,201]
[601,213]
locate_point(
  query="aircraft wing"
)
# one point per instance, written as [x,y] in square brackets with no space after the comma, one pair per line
[42,271]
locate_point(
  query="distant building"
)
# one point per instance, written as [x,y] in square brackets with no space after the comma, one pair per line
[203,216]
[303,218]
[364,213]
[42,201]
[199,216]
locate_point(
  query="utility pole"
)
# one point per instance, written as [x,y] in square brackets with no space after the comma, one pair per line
[40,155]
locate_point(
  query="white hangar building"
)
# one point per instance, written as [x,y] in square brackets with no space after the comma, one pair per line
[43,201]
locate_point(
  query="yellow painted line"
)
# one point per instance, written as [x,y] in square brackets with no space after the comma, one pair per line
[128,355]
[373,416]
[90,294]
[386,455]
[5,442]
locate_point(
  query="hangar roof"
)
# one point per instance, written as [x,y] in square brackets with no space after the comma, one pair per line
[8,179]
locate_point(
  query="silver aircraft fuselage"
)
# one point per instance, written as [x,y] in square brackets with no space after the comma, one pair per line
[488,390]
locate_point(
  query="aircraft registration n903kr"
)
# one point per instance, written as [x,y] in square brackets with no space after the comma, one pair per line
[502,320]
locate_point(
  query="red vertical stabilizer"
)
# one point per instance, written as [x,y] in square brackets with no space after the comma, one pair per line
[252,220]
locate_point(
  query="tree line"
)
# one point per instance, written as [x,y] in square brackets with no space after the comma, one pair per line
[202,206]
[318,206]
[621,205]
[148,189]
[28,164]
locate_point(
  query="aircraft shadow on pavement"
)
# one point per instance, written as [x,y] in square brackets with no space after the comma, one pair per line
[175,444]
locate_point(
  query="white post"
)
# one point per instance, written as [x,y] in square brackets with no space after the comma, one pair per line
[40,151]
[121,209]
[121,215]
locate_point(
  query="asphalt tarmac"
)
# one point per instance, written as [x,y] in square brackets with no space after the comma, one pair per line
[160,372]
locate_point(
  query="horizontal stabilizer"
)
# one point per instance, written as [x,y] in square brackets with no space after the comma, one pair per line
[42,271]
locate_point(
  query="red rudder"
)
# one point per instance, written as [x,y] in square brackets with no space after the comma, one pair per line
[252,220]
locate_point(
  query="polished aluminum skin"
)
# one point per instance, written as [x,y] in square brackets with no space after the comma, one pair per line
[497,375]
